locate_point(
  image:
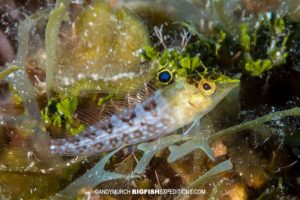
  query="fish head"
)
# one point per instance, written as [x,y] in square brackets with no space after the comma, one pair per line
[191,100]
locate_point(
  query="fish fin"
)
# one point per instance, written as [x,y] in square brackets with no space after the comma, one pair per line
[147,91]
[89,115]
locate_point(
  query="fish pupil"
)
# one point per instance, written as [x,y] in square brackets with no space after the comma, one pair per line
[206,86]
[165,77]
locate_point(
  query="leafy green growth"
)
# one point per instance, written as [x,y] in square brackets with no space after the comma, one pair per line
[245,37]
[212,44]
[220,42]
[264,46]
[103,100]
[198,59]
[183,64]
[149,54]
[209,48]
[60,113]
[257,67]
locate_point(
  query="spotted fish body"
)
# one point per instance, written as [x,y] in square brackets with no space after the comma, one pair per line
[160,114]
[144,121]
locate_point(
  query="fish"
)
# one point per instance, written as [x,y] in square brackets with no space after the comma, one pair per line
[168,109]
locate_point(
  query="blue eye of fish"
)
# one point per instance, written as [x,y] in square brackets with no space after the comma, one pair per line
[165,77]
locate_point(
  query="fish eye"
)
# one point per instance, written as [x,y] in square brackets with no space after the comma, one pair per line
[165,77]
[207,87]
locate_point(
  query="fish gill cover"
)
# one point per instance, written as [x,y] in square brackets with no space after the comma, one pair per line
[149,95]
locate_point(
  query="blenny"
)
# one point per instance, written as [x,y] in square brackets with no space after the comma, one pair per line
[166,110]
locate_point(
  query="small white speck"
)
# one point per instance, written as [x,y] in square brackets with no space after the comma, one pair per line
[52,147]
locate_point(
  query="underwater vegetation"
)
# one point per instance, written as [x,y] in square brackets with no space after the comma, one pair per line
[149,94]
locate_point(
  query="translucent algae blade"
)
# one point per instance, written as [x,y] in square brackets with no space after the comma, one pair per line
[102,55]
[92,178]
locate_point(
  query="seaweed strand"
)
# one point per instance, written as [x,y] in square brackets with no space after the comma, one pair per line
[7,71]
[52,31]
[248,125]
[21,83]
[18,79]
[92,178]
[24,29]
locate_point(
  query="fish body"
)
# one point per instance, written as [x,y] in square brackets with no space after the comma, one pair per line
[165,111]
[144,121]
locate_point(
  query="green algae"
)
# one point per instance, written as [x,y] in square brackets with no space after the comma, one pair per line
[245,37]
[150,149]
[19,79]
[92,178]
[258,67]
[60,113]
[185,65]
[7,71]
[179,151]
[259,121]
[24,29]
[52,30]
[274,53]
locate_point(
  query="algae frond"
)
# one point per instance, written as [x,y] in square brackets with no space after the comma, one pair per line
[275,53]
[60,113]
